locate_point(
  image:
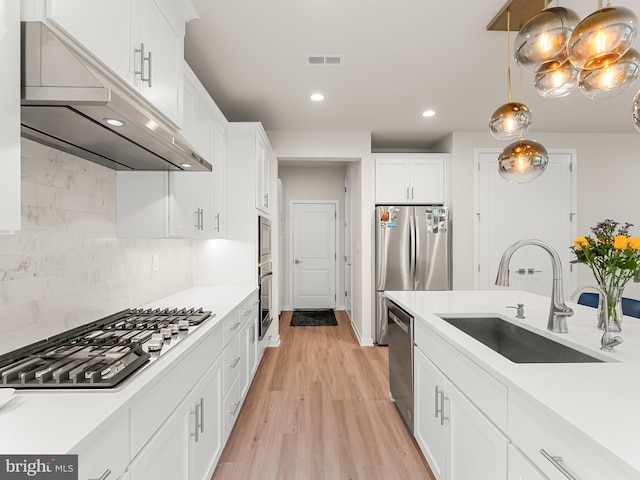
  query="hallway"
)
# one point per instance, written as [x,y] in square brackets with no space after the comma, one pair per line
[319,409]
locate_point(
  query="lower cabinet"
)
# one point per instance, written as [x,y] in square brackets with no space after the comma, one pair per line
[455,437]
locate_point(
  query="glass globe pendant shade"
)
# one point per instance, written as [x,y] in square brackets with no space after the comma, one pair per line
[559,82]
[510,121]
[541,43]
[611,80]
[522,161]
[602,37]
[635,115]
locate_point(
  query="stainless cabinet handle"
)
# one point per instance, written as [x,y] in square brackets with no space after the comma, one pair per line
[150,69]
[557,462]
[235,363]
[405,328]
[196,415]
[253,334]
[217,217]
[103,476]
[296,261]
[437,410]
[201,414]
[266,199]
[442,399]
[408,197]
[235,410]
[234,326]
[142,60]
[411,193]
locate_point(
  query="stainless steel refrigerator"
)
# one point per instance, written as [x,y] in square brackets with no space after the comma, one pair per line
[412,253]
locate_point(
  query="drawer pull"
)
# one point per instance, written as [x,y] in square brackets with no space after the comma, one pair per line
[437,410]
[235,410]
[557,462]
[234,326]
[104,475]
[235,363]
[197,424]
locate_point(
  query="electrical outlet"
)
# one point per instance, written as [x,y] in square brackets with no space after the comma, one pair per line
[155,263]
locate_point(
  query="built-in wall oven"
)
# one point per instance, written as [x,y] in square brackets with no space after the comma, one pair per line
[265,274]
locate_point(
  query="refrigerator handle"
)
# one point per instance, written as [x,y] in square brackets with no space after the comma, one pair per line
[412,247]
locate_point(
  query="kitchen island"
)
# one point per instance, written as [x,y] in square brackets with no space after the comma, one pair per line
[124,429]
[586,413]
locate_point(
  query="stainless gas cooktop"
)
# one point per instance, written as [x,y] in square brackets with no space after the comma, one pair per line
[100,354]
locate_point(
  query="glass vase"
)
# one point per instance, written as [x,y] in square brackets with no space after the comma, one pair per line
[613,313]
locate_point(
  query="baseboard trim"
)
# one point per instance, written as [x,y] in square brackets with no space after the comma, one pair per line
[364,342]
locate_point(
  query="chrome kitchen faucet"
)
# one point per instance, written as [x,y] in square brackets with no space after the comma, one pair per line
[558,310]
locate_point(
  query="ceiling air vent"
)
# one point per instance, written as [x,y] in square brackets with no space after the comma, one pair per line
[314,59]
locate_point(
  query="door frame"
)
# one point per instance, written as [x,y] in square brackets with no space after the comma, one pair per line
[348,238]
[476,206]
[336,205]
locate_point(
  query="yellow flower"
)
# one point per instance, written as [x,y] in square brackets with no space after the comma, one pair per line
[620,242]
[580,242]
[634,243]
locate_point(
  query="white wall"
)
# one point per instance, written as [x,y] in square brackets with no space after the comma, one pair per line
[354,147]
[608,178]
[66,267]
[313,183]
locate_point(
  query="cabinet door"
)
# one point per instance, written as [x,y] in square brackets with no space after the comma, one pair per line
[9,116]
[263,181]
[165,66]
[520,468]
[429,428]
[392,180]
[205,449]
[165,456]
[184,217]
[103,28]
[476,446]
[219,187]
[427,180]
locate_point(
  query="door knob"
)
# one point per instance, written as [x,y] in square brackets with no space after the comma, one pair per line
[296,261]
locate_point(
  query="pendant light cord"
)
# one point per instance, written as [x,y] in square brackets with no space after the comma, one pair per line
[509,55]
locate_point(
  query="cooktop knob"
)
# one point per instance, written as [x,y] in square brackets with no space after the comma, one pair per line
[166,333]
[183,324]
[154,345]
[174,328]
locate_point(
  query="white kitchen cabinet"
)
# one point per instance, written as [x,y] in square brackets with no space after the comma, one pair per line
[457,439]
[263,167]
[520,468]
[411,178]
[249,344]
[9,117]
[142,41]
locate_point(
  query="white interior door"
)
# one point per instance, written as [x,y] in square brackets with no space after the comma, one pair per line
[314,255]
[542,209]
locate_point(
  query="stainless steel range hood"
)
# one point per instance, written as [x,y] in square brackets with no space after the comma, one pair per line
[68,96]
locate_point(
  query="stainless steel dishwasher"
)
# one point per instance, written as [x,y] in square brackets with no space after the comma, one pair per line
[400,341]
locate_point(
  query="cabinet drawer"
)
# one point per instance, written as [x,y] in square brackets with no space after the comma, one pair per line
[232,323]
[107,448]
[160,399]
[231,409]
[487,393]
[533,430]
[231,363]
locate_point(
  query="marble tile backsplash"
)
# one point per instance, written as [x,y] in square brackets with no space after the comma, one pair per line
[66,267]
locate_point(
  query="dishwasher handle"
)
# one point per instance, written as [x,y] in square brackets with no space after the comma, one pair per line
[404,327]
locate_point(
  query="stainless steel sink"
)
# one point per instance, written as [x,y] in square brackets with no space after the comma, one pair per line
[516,343]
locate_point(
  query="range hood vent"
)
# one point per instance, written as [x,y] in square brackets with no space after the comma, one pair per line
[317,59]
[68,96]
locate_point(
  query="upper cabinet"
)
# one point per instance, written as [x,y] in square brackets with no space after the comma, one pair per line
[181,204]
[9,116]
[141,41]
[411,178]
[263,166]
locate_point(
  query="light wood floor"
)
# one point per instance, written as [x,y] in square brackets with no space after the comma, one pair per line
[319,408]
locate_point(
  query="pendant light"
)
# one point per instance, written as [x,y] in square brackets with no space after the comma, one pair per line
[612,79]
[602,37]
[512,119]
[559,82]
[541,43]
[523,161]
[635,113]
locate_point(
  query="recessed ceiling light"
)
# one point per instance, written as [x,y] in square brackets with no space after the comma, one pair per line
[428,113]
[186,165]
[114,122]
[317,97]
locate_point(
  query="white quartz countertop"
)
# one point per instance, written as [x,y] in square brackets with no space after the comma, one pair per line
[55,421]
[598,401]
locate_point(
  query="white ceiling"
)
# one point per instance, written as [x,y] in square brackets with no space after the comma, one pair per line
[401,57]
